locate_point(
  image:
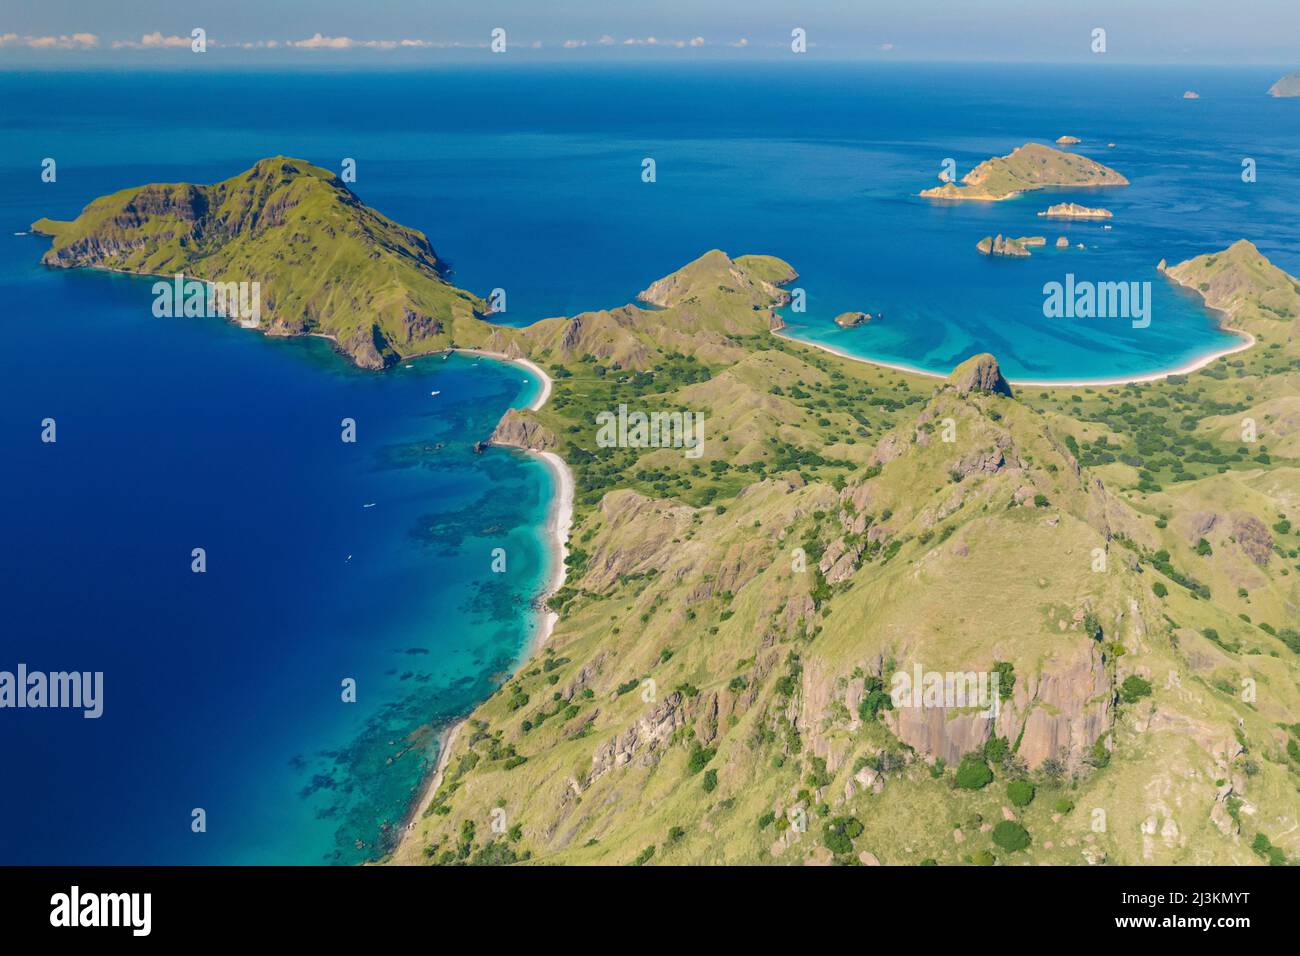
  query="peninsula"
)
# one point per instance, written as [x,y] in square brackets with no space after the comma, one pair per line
[1029,167]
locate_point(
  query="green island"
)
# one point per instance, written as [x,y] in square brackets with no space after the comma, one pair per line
[1029,167]
[1124,558]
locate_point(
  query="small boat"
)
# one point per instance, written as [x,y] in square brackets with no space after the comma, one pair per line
[435,393]
[369,505]
[20,233]
[410,366]
[349,558]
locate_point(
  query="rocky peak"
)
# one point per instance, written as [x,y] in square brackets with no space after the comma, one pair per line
[979,373]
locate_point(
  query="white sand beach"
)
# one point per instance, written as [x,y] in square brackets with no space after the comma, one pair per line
[1247,340]
[559,521]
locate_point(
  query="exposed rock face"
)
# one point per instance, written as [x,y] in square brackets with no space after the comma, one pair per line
[1253,537]
[644,738]
[1058,712]
[517,430]
[980,373]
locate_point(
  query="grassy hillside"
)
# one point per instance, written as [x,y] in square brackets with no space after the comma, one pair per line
[1028,167]
[717,687]
[327,264]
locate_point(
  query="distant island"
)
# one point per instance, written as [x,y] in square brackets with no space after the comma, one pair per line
[1072,210]
[1289,85]
[1032,166]
[851,320]
[1068,140]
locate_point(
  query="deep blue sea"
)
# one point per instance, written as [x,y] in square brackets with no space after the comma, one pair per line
[223,688]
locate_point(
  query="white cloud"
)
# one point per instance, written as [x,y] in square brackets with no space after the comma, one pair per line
[157,39]
[743,41]
[75,41]
[697,41]
[606,40]
[319,42]
[574,44]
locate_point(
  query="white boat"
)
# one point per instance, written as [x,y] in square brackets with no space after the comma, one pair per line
[369,505]
[435,393]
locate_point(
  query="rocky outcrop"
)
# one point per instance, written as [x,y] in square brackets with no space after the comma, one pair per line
[851,320]
[517,429]
[642,741]
[1004,246]
[1072,210]
[1253,537]
[979,373]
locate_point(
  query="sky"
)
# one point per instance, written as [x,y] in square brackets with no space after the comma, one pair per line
[60,33]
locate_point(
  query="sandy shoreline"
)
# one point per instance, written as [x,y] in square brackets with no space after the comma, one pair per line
[559,521]
[1248,340]
[542,396]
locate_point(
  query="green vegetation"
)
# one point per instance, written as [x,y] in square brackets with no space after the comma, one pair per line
[1011,836]
[973,773]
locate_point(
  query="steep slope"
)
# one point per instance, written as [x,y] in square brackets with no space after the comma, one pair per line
[326,263]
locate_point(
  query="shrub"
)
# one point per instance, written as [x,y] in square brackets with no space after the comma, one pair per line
[839,834]
[996,749]
[983,858]
[1064,805]
[699,757]
[1159,590]
[1020,793]
[710,781]
[1011,836]
[1134,689]
[974,773]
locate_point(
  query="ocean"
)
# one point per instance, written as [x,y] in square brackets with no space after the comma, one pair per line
[223,689]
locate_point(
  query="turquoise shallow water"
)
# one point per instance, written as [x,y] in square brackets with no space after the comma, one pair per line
[223,688]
